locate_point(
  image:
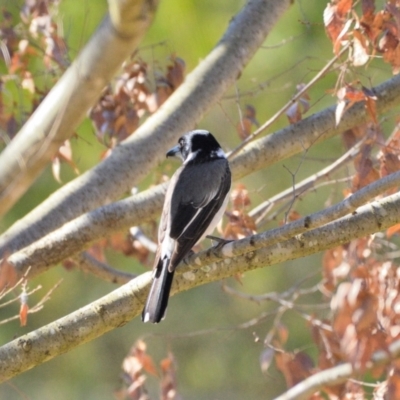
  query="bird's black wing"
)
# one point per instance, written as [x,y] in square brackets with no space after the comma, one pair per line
[187,213]
[193,207]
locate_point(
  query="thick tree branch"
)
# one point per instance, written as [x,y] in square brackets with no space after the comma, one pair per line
[318,127]
[297,96]
[258,154]
[78,234]
[135,157]
[123,304]
[59,114]
[298,227]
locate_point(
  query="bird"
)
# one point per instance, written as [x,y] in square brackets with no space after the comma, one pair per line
[195,202]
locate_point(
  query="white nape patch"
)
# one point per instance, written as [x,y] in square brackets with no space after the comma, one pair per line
[218,154]
[199,132]
[190,276]
[190,157]
[227,250]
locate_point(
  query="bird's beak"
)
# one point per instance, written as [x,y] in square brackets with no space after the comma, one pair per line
[174,152]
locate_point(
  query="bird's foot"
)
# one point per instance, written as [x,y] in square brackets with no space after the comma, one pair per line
[220,242]
[188,255]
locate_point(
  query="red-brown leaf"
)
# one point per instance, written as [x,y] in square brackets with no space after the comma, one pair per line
[368,7]
[23,313]
[360,49]
[393,230]
[8,274]
[240,197]
[343,7]
[294,367]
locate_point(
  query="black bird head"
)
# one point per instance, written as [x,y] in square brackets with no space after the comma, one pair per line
[196,147]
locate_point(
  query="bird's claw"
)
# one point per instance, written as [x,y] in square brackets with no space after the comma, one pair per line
[220,241]
[188,255]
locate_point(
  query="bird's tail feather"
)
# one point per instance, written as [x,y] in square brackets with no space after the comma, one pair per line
[157,300]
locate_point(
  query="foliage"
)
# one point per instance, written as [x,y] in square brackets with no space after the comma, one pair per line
[344,313]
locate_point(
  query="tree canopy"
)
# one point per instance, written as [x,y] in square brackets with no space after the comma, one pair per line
[304,99]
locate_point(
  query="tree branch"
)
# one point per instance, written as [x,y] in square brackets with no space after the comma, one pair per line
[314,129]
[297,228]
[258,154]
[297,96]
[59,114]
[259,212]
[123,304]
[136,156]
[336,375]
[78,234]
[90,264]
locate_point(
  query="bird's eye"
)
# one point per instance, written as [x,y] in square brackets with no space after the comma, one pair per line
[181,142]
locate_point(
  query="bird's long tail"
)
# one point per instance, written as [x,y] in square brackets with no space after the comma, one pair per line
[157,300]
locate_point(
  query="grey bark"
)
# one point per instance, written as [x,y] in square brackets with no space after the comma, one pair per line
[125,303]
[135,157]
[57,117]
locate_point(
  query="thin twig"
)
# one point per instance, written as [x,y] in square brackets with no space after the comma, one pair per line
[37,307]
[146,242]
[262,85]
[14,299]
[275,325]
[275,297]
[282,42]
[45,298]
[297,227]
[7,320]
[260,222]
[258,213]
[90,264]
[280,298]
[6,290]
[244,325]
[297,96]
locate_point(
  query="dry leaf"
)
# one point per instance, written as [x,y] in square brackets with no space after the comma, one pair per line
[249,119]
[168,382]
[393,230]
[24,308]
[294,367]
[8,274]
[360,49]
[240,197]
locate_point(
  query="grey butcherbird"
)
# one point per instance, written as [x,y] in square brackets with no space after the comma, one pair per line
[195,201]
